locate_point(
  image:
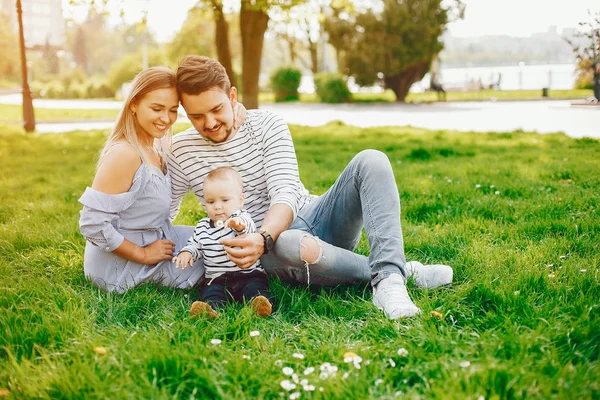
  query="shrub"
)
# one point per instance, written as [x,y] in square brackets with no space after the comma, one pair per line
[332,88]
[285,83]
[76,90]
[98,89]
[54,90]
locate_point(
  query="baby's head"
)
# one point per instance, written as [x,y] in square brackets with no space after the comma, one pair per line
[223,193]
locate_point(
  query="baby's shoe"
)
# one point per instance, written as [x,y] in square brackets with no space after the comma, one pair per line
[202,309]
[262,306]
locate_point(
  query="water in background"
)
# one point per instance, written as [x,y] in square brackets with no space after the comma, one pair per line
[515,77]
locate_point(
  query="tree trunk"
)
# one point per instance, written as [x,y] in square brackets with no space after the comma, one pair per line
[253,24]
[400,84]
[222,40]
[312,47]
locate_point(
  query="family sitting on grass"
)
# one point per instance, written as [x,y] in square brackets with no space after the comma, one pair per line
[242,167]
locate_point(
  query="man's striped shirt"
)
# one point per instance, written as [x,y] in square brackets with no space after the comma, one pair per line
[262,152]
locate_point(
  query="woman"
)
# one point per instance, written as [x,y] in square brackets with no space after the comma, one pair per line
[125,215]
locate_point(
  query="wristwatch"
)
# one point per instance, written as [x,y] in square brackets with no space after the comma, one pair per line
[268,241]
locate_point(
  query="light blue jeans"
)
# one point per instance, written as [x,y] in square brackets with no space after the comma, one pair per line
[364,195]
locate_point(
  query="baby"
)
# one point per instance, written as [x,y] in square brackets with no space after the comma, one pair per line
[224,202]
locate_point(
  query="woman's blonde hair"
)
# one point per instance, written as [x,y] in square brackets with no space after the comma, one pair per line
[126,126]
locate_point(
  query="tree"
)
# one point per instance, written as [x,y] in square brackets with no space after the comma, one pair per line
[395,45]
[9,62]
[586,46]
[195,37]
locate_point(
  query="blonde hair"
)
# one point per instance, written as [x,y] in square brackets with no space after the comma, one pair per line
[126,126]
[224,173]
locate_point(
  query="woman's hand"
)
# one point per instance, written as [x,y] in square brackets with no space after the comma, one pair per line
[239,115]
[158,251]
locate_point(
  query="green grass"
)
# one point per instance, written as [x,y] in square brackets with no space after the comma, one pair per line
[516,214]
[428,97]
[10,113]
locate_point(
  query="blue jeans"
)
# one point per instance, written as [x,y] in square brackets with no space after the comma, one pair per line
[364,196]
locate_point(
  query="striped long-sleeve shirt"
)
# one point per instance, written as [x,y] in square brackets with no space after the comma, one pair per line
[204,243]
[262,152]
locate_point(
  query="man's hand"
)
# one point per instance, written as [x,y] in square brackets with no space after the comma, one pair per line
[183,260]
[235,223]
[245,250]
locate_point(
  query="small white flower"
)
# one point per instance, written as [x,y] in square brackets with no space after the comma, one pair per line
[517,292]
[392,363]
[449,180]
[278,363]
[549,265]
[246,357]
[294,395]
[295,378]
[497,192]
[561,257]
[357,360]
[287,371]
[287,385]
[324,375]
[477,186]
[308,388]
[492,186]
[348,360]
[378,382]
[465,364]
[254,333]
[309,371]
[346,375]
[325,366]
[215,341]
[321,389]
[583,270]
[298,355]
[551,275]
[402,352]
[304,382]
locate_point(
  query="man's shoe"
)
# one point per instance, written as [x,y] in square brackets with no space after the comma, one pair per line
[202,309]
[390,295]
[429,276]
[262,306]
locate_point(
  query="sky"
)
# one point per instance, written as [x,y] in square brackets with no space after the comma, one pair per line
[482,17]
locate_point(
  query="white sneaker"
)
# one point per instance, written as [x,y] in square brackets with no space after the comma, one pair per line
[429,276]
[390,295]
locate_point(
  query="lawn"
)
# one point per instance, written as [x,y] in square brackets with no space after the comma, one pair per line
[516,214]
[10,113]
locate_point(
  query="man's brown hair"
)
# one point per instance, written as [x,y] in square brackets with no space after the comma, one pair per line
[197,74]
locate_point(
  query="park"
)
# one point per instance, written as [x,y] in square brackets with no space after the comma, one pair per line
[514,209]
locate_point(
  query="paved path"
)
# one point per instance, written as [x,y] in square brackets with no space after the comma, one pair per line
[540,116]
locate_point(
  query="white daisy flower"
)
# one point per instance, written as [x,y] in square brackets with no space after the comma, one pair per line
[465,364]
[254,333]
[309,371]
[402,352]
[215,341]
[287,385]
[298,355]
[287,371]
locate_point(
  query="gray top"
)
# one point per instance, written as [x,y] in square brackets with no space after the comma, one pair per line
[140,215]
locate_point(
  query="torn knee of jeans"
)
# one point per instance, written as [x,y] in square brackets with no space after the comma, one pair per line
[311,250]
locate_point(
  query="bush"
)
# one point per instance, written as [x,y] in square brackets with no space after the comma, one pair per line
[98,90]
[285,83]
[76,90]
[332,88]
[54,90]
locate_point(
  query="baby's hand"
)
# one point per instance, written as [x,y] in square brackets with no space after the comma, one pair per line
[183,260]
[235,223]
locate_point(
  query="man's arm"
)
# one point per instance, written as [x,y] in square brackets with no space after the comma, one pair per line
[244,250]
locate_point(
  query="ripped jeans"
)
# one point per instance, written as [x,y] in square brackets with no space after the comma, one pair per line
[364,195]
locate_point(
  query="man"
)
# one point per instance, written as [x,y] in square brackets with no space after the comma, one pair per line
[301,237]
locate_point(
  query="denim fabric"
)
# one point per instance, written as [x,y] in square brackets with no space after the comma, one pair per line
[364,196]
[235,286]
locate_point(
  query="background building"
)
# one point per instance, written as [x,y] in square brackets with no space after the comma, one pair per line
[43,21]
